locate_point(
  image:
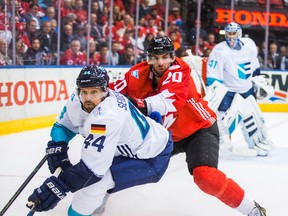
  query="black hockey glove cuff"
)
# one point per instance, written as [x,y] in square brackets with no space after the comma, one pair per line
[139,103]
[57,156]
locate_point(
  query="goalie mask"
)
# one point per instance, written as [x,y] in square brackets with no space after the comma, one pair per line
[93,76]
[159,46]
[233,34]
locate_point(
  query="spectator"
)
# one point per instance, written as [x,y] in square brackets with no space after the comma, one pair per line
[35,55]
[73,55]
[49,14]
[103,54]
[54,26]
[200,48]
[32,14]
[94,56]
[173,27]
[175,16]
[126,39]
[130,7]
[260,59]
[80,35]
[20,49]
[31,30]
[159,21]
[160,8]
[147,39]
[282,59]
[113,57]
[151,27]
[193,33]
[273,52]
[117,15]
[96,30]
[210,42]
[144,8]
[4,57]
[96,9]
[173,37]
[48,40]
[80,12]
[123,24]
[66,37]
[128,57]
[66,8]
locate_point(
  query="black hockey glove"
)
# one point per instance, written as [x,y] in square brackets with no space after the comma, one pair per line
[48,195]
[57,156]
[139,103]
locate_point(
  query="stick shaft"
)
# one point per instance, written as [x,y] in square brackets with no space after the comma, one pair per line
[32,174]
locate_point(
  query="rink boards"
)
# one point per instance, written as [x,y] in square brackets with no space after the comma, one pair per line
[31,97]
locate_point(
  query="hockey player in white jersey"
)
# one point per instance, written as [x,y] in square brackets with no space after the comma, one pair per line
[122,147]
[234,64]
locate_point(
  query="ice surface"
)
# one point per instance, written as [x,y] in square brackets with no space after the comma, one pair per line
[264,178]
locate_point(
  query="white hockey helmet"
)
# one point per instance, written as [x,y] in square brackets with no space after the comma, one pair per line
[233,34]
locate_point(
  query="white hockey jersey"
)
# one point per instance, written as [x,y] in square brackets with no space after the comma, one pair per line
[233,68]
[115,127]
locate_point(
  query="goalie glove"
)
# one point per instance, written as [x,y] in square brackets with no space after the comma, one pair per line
[262,88]
[139,103]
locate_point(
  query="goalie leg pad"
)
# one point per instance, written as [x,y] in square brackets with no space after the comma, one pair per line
[254,128]
[215,94]
[234,114]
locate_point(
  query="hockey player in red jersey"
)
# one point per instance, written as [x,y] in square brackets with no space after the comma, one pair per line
[163,83]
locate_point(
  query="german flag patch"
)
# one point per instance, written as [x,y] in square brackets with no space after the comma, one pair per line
[98,129]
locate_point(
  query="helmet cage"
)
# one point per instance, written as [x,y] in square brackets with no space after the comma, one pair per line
[236,29]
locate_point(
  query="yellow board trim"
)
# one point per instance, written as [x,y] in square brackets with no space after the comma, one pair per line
[26,124]
[274,107]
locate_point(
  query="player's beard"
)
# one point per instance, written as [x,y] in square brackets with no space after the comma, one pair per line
[88,106]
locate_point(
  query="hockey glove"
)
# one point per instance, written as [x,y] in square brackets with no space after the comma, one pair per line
[139,103]
[48,195]
[57,156]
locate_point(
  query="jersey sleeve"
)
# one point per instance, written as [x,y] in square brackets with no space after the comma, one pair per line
[215,66]
[65,129]
[173,90]
[119,85]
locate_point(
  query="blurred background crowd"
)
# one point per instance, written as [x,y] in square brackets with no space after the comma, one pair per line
[107,32]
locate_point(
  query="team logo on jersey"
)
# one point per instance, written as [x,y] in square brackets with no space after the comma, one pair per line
[174,67]
[99,111]
[243,69]
[98,129]
[135,74]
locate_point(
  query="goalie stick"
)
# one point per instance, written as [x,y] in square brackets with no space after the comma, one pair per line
[32,174]
[189,52]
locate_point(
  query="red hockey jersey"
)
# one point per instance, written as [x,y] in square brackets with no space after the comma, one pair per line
[182,108]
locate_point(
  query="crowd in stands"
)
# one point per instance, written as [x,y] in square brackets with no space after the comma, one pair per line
[36,33]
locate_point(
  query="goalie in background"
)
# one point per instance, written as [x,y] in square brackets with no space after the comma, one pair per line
[164,84]
[234,64]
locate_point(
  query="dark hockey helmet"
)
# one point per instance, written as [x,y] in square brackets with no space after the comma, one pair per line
[160,45]
[91,76]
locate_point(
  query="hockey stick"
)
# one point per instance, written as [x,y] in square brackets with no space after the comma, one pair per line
[32,174]
[189,52]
